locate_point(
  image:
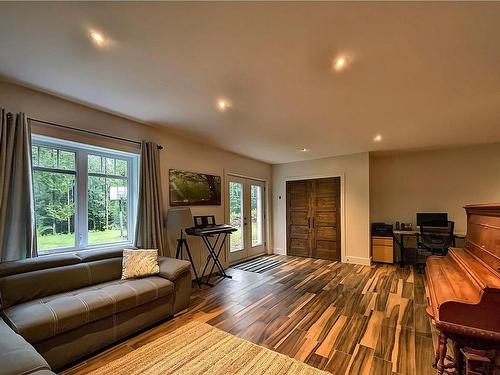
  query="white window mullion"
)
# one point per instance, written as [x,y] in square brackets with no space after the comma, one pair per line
[133,172]
[82,191]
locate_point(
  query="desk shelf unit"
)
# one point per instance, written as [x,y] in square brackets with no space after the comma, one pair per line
[382,249]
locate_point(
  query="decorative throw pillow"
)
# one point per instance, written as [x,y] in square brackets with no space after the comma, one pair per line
[139,263]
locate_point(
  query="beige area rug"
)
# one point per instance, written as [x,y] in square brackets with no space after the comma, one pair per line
[198,348]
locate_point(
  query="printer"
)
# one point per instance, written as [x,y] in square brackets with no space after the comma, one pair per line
[381,230]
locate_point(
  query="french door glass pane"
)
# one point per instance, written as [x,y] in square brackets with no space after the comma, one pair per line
[236,215]
[107,210]
[256,214]
[54,206]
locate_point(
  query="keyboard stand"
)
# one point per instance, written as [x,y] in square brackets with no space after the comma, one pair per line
[214,254]
[181,242]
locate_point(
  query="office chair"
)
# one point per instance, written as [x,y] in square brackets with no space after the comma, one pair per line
[434,239]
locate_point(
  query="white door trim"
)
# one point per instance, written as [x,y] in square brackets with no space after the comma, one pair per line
[246,176]
[343,237]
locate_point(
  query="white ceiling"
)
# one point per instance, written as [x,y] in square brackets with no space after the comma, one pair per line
[422,74]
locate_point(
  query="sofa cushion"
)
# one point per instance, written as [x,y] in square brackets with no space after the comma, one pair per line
[27,286]
[17,356]
[38,263]
[139,263]
[93,255]
[104,270]
[46,317]
[34,278]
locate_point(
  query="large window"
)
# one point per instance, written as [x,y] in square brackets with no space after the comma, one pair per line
[85,196]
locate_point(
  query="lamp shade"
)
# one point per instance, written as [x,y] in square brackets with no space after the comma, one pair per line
[179,218]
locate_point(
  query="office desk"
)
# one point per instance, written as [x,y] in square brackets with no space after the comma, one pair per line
[415,233]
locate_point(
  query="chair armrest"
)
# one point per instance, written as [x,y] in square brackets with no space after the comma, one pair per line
[171,268]
[17,356]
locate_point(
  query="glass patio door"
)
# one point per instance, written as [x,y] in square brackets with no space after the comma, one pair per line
[246,206]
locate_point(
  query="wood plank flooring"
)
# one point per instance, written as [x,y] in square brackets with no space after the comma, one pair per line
[343,318]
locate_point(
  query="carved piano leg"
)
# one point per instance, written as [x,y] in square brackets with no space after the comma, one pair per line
[439,361]
[459,358]
[446,363]
[436,359]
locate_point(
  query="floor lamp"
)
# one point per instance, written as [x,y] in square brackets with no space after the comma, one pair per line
[178,219]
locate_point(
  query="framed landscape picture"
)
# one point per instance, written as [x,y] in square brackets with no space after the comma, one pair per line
[194,189]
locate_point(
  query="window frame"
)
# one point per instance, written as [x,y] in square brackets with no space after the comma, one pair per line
[81,173]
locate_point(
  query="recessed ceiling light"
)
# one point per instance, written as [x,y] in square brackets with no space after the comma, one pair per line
[304,150]
[98,38]
[223,105]
[340,63]
[377,138]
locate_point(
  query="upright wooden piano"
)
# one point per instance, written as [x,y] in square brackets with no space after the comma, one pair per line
[464,290]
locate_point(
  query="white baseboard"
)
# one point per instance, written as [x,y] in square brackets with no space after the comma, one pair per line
[279,251]
[358,260]
[349,259]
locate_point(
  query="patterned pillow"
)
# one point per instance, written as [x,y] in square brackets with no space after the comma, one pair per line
[139,263]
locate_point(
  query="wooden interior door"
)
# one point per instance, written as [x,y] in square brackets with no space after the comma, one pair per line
[313,218]
[325,215]
[298,218]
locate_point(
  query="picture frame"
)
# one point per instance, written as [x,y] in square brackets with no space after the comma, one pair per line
[194,189]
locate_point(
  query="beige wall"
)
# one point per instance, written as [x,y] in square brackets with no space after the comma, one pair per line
[178,153]
[433,181]
[354,170]
[377,187]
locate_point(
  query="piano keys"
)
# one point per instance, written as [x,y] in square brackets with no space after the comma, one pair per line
[210,230]
[220,232]
[464,289]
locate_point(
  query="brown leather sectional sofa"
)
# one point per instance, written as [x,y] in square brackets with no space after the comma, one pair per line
[70,305]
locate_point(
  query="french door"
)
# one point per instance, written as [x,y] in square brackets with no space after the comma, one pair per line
[246,211]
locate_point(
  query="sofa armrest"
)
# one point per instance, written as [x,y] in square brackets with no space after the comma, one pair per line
[17,356]
[171,268]
[178,272]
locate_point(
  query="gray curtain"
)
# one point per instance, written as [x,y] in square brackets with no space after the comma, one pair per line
[17,230]
[149,231]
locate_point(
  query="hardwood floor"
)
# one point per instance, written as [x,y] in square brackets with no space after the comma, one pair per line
[343,318]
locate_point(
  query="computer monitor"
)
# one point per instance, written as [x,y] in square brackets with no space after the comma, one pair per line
[433,219]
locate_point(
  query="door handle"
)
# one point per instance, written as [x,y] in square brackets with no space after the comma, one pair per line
[313,223]
[309,222]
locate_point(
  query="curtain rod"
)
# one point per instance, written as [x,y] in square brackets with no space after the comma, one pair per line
[88,131]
